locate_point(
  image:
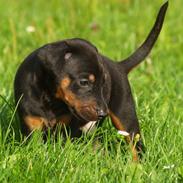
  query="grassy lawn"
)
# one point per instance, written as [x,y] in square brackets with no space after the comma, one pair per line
[116,27]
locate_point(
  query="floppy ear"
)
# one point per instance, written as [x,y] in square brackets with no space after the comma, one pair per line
[43,52]
[79,42]
[139,55]
[53,49]
[50,53]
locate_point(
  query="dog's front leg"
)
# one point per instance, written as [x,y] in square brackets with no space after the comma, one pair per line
[123,116]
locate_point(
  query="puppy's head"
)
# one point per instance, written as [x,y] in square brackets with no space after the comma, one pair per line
[80,77]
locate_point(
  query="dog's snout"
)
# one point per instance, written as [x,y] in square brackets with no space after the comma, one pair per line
[101,113]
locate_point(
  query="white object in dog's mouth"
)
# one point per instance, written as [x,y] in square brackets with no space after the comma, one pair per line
[89,127]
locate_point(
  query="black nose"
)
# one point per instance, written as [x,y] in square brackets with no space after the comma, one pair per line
[101,114]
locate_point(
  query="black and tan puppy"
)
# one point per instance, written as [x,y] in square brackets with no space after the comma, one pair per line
[69,82]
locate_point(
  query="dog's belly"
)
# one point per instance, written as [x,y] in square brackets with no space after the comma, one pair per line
[89,127]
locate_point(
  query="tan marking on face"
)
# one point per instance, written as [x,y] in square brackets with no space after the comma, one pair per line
[69,97]
[35,123]
[65,82]
[85,108]
[118,124]
[92,78]
[62,87]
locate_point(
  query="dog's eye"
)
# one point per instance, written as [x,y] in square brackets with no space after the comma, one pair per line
[84,82]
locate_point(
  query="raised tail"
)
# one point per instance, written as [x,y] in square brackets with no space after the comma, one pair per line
[139,55]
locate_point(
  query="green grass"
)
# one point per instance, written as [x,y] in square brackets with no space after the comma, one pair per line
[157,88]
